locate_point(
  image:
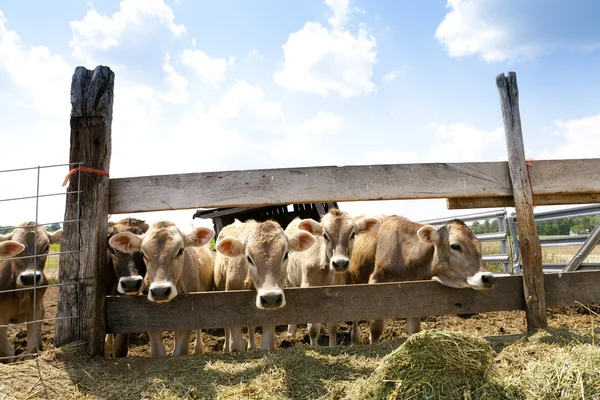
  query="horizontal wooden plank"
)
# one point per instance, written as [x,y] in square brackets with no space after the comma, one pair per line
[461,203]
[348,183]
[341,303]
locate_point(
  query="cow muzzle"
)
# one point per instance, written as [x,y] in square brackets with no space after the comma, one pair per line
[131,285]
[482,281]
[162,292]
[29,278]
[270,299]
[340,264]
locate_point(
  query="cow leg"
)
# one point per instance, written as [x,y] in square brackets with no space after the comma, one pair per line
[182,342]
[157,347]
[6,349]
[268,337]
[34,337]
[376,328]
[227,344]
[237,339]
[251,338]
[355,335]
[292,331]
[413,325]
[314,330]
[108,345]
[332,327]
[199,344]
[120,345]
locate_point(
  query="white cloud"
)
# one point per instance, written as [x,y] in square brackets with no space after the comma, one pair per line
[176,84]
[210,70]
[323,123]
[388,77]
[581,139]
[42,78]
[322,60]
[135,18]
[255,54]
[462,142]
[516,30]
[340,10]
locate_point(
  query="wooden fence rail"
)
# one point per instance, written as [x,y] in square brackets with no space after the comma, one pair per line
[467,185]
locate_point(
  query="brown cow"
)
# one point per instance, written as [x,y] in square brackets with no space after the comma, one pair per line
[253,255]
[24,271]
[126,273]
[326,263]
[402,250]
[177,263]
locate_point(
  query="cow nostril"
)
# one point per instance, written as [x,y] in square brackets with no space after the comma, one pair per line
[123,285]
[279,300]
[167,292]
[484,279]
[263,300]
[138,284]
[488,279]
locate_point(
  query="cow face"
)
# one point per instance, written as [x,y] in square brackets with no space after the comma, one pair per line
[129,268]
[337,231]
[163,247]
[29,265]
[457,260]
[265,251]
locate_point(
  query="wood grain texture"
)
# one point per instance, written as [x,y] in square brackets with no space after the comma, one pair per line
[349,183]
[529,241]
[342,303]
[91,118]
[461,203]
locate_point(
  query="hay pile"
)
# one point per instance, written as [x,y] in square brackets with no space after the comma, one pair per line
[553,364]
[436,365]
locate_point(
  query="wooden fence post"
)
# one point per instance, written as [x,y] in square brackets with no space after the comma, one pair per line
[529,241]
[91,118]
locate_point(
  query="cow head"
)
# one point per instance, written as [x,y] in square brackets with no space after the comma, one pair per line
[29,265]
[128,268]
[337,231]
[457,260]
[265,252]
[163,247]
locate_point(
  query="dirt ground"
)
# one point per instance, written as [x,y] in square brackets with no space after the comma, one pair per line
[484,324]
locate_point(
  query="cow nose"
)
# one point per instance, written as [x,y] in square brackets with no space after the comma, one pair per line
[131,285]
[488,280]
[271,300]
[160,293]
[28,278]
[340,264]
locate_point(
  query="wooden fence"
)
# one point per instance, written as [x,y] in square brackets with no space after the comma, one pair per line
[466,185]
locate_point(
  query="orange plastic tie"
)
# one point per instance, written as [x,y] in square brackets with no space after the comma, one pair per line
[529,163]
[83,169]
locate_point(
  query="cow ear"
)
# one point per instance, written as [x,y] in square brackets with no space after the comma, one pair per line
[10,248]
[428,234]
[311,226]
[55,237]
[300,241]
[199,237]
[126,242]
[230,246]
[367,224]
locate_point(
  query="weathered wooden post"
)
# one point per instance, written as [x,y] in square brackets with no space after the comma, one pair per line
[529,241]
[91,118]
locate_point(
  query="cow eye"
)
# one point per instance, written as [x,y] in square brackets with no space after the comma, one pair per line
[326,236]
[285,256]
[180,252]
[249,260]
[111,249]
[455,247]
[353,236]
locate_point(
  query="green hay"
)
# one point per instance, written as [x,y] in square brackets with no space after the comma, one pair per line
[435,365]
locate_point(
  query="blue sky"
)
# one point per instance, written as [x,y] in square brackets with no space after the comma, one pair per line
[369,82]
